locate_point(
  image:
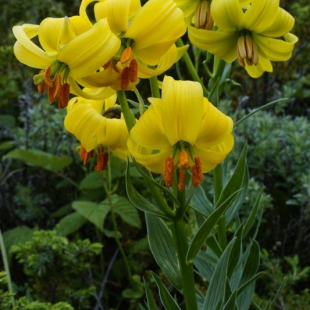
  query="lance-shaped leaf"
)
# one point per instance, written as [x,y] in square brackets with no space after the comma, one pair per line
[163,249]
[216,290]
[41,159]
[205,229]
[165,297]
[151,304]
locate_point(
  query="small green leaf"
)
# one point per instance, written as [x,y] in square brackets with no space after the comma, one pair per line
[92,180]
[151,304]
[6,145]
[231,302]
[205,229]
[41,159]
[138,200]
[165,297]
[70,224]
[163,249]
[93,212]
[217,284]
[126,211]
[201,203]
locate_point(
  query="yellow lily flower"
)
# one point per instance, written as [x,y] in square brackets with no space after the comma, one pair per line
[147,33]
[181,130]
[254,34]
[71,48]
[95,128]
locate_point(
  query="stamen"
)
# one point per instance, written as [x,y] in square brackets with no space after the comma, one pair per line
[181,184]
[184,159]
[84,155]
[47,77]
[51,94]
[63,96]
[102,159]
[133,71]
[126,55]
[168,171]
[125,78]
[203,17]
[197,175]
[41,88]
[57,85]
[247,50]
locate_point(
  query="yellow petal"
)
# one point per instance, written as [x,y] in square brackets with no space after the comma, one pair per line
[148,131]
[182,108]
[275,49]
[216,126]
[90,50]
[112,133]
[223,44]
[227,14]
[49,33]
[260,15]
[165,62]
[188,7]
[211,157]
[264,65]
[282,24]
[117,14]
[27,52]
[83,6]
[158,21]
[83,121]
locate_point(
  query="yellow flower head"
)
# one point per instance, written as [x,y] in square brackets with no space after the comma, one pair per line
[254,32]
[181,130]
[94,126]
[148,36]
[70,49]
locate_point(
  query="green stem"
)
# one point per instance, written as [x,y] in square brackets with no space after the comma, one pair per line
[128,116]
[191,68]
[218,187]
[7,269]
[187,272]
[154,87]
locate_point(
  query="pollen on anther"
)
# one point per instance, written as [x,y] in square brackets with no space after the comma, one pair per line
[181,183]
[197,175]
[47,77]
[184,159]
[133,71]
[84,155]
[168,171]
[102,159]
[126,55]
[125,78]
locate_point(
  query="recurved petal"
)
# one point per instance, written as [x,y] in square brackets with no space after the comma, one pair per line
[216,126]
[227,14]
[212,156]
[89,51]
[117,14]
[157,21]
[223,44]
[83,6]
[148,131]
[49,33]
[260,15]
[276,49]
[282,24]
[264,65]
[153,161]
[188,7]
[165,62]
[112,133]
[182,108]
[83,121]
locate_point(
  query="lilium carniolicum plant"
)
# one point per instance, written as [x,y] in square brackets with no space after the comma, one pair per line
[70,49]
[97,124]
[254,32]
[182,130]
[147,34]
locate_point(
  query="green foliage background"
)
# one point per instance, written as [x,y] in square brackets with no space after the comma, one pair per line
[45,199]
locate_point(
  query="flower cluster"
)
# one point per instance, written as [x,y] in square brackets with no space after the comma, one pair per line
[93,59]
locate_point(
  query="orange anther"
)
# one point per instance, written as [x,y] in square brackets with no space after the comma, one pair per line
[84,155]
[102,159]
[181,184]
[183,159]
[47,77]
[63,96]
[168,171]
[125,78]
[41,88]
[133,71]
[197,175]
[126,55]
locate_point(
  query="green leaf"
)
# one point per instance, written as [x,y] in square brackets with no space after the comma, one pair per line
[126,211]
[151,304]
[138,200]
[235,252]
[165,297]
[231,302]
[70,224]
[205,229]
[93,212]
[201,203]
[8,120]
[6,145]
[19,234]
[216,290]
[163,249]
[92,180]
[252,216]
[41,159]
